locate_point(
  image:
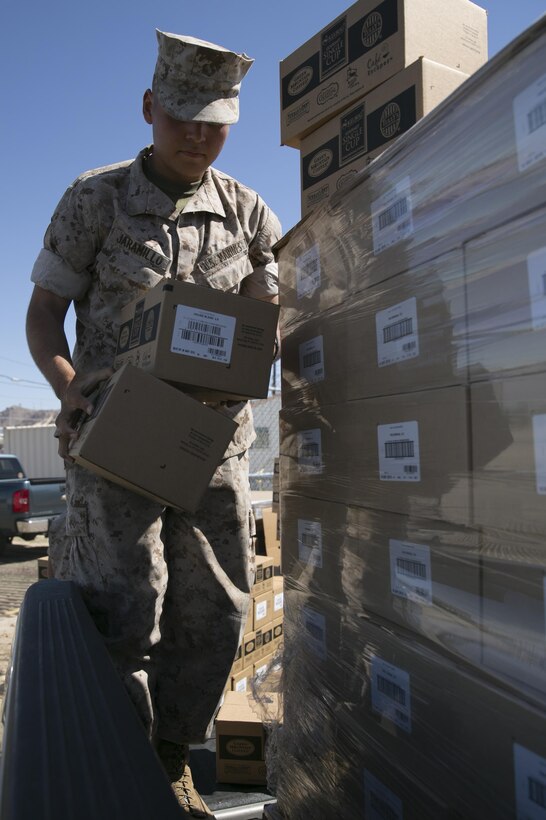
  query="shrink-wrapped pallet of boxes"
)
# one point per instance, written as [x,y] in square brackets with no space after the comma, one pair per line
[413,469]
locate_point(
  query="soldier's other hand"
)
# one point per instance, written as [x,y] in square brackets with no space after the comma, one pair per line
[74,403]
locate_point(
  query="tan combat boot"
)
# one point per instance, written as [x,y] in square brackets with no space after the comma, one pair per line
[175,758]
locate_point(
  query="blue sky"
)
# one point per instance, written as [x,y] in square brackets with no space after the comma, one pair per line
[73,77]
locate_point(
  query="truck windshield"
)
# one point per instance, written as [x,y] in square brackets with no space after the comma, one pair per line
[10,468]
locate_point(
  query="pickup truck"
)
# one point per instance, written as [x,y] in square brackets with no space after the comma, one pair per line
[27,505]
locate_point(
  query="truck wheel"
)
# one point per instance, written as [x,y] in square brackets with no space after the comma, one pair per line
[5,541]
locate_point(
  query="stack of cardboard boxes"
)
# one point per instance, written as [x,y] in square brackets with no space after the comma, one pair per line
[413,463]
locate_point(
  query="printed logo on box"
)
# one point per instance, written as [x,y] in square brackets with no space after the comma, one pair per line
[352,130]
[310,452]
[539,441]
[392,219]
[529,109]
[391,697]
[372,29]
[530,784]
[398,446]
[333,48]
[312,360]
[410,571]
[202,334]
[300,80]
[397,333]
[308,272]
[310,543]
[379,801]
[536,273]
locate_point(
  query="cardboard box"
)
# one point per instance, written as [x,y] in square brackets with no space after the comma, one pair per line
[278,596]
[509,454]
[240,681]
[507,299]
[365,46]
[264,574]
[411,204]
[264,641]
[262,609]
[270,521]
[396,338]
[153,439]
[513,635]
[332,154]
[241,739]
[249,648]
[237,664]
[278,631]
[214,344]
[407,454]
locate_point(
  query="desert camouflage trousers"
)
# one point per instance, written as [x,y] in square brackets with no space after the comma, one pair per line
[168,590]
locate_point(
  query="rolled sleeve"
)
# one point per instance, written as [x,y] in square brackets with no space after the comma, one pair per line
[52,273]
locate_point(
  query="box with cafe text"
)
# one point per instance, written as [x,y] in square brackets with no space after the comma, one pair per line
[215,345]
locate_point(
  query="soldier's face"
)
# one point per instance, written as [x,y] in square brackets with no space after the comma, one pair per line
[182,150]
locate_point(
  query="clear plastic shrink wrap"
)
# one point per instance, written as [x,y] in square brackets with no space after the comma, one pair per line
[413,470]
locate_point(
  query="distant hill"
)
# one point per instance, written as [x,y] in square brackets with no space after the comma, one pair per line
[16,416]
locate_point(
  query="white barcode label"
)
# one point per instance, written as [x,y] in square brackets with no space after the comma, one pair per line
[410,571]
[397,333]
[202,334]
[240,686]
[310,452]
[539,440]
[315,626]
[398,447]
[260,610]
[536,272]
[391,693]
[379,801]
[310,542]
[308,272]
[530,784]
[312,360]
[278,602]
[530,124]
[392,219]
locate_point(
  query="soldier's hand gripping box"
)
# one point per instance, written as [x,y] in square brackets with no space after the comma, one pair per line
[153,439]
[215,345]
[370,42]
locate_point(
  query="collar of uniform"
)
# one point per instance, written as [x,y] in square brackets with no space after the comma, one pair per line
[146,198]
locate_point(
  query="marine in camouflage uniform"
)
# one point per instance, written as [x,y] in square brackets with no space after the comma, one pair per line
[169,591]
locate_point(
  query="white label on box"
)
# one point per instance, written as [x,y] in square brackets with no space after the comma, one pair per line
[392,219]
[260,611]
[391,693]
[397,333]
[539,438]
[278,601]
[398,446]
[203,334]
[308,272]
[310,452]
[410,571]
[310,542]
[379,801]
[315,625]
[530,124]
[312,360]
[240,686]
[261,671]
[530,784]
[536,271]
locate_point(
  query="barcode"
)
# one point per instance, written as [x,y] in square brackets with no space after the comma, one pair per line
[392,214]
[382,809]
[309,268]
[408,346]
[309,540]
[391,690]
[399,449]
[310,450]
[312,358]
[398,330]
[411,468]
[537,792]
[537,117]
[202,338]
[413,568]
[204,327]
